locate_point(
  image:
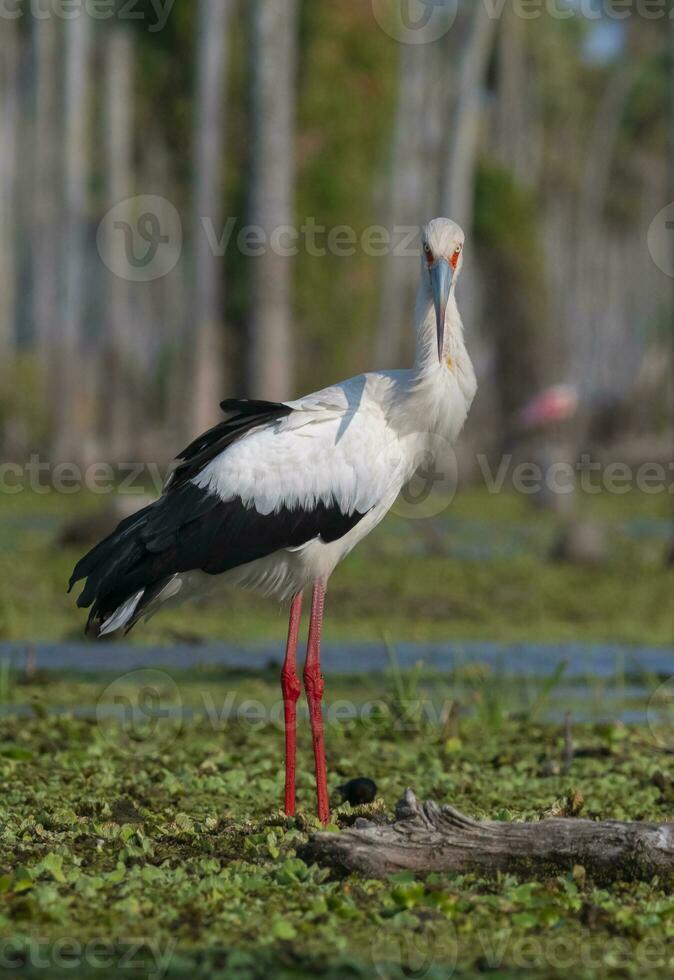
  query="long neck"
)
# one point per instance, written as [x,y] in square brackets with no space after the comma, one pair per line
[426,360]
[430,404]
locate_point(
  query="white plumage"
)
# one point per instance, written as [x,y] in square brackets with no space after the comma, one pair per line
[276,496]
[353,445]
[356,443]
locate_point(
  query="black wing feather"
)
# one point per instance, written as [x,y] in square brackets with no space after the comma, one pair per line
[192,528]
[244,415]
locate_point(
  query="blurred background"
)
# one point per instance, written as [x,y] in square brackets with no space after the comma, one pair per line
[213,199]
[202,199]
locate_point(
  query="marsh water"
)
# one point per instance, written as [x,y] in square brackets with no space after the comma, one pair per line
[594,682]
[604,661]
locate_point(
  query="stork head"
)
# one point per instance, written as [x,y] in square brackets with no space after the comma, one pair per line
[441,259]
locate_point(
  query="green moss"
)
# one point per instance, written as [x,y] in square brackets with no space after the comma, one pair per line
[178,844]
[170,834]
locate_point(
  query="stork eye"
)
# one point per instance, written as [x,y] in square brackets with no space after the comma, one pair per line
[428,252]
[458,248]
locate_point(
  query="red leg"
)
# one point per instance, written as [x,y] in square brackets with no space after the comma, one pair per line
[313,683]
[290,685]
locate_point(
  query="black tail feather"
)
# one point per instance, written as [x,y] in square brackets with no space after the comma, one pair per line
[106,548]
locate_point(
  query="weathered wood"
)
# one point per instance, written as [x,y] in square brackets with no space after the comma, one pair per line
[426,837]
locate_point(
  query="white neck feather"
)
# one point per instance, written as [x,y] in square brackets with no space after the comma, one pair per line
[438,392]
[426,361]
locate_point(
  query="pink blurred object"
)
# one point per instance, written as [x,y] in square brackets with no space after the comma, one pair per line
[554,404]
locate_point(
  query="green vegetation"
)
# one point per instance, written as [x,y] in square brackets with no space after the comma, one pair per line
[164,844]
[482,574]
[143,837]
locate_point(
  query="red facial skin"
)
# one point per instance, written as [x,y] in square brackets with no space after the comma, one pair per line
[454,261]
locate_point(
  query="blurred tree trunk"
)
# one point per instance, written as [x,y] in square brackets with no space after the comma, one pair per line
[462,150]
[69,381]
[463,136]
[9,64]
[118,125]
[408,191]
[273,60]
[512,138]
[514,294]
[600,150]
[590,316]
[209,383]
[515,291]
[47,196]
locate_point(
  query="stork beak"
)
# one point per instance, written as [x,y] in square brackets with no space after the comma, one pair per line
[441,282]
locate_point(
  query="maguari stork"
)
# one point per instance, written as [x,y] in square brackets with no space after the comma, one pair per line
[276,495]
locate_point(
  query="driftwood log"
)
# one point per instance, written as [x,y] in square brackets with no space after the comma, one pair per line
[426,837]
